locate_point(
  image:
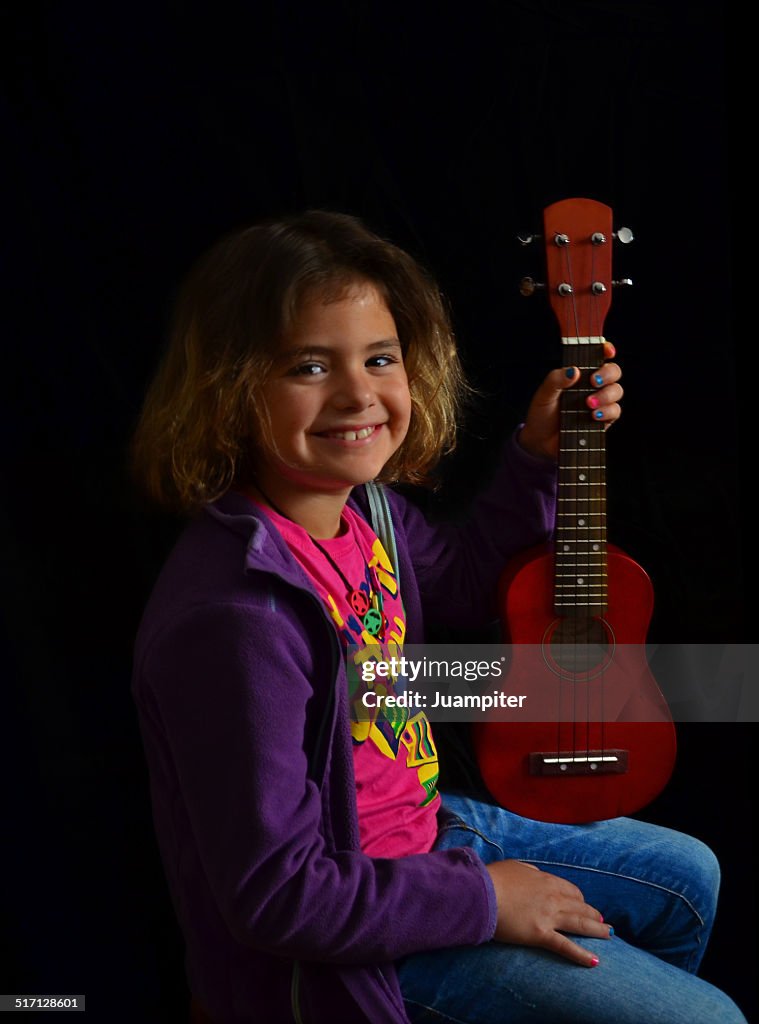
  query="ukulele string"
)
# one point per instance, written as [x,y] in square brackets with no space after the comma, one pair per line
[593,508]
[572,670]
[599,493]
[586,588]
[583,569]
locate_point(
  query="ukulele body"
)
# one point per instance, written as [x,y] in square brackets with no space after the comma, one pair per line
[607,707]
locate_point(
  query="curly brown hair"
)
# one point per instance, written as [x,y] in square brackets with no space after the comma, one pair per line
[204,410]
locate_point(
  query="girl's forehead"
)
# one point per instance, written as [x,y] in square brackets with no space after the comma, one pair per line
[359,320]
[359,304]
[357,290]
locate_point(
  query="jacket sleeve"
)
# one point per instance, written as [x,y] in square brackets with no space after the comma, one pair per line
[223,694]
[457,567]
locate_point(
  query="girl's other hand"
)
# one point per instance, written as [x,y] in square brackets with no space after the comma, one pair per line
[540,434]
[535,907]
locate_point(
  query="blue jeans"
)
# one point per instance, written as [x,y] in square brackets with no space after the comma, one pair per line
[658,888]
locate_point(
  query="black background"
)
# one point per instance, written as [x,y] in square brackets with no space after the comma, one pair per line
[134,139]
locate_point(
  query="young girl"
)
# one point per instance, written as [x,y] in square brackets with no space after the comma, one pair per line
[316,872]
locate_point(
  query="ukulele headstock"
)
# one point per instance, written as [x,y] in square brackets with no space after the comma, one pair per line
[578,241]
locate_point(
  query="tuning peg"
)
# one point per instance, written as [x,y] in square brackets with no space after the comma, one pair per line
[528,239]
[625,282]
[528,287]
[624,235]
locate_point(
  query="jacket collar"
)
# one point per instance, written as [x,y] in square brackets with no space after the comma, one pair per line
[265,549]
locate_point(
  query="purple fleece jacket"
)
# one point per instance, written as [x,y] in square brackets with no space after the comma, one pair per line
[241,693]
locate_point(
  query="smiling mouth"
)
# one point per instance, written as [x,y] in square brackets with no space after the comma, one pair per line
[349,435]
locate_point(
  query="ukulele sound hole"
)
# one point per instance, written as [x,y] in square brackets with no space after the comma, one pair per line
[579,648]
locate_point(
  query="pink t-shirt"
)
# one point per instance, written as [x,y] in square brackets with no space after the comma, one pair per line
[394,755]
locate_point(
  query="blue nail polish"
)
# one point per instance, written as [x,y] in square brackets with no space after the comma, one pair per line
[599,414]
[598,379]
[570,372]
[611,930]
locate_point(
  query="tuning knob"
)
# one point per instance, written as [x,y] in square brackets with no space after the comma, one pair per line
[528,239]
[528,287]
[624,282]
[624,235]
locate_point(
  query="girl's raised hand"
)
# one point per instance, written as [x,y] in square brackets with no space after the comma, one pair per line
[540,434]
[535,908]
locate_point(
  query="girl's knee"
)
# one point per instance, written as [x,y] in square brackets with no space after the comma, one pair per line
[699,870]
[703,866]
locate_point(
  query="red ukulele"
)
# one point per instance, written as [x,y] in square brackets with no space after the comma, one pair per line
[577,611]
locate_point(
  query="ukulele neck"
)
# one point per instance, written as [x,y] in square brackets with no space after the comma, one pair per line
[580,563]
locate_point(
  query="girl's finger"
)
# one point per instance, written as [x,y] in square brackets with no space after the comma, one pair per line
[607,414]
[606,374]
[557,380]
[560,944]
[579,923]
[611,393]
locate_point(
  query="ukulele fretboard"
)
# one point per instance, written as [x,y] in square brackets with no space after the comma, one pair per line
[580,565]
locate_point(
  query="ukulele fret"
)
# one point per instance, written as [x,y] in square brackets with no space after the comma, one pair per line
[580,569]
[601,593]
[581,604]
[588,575]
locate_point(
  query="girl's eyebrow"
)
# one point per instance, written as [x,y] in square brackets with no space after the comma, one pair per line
[304,351]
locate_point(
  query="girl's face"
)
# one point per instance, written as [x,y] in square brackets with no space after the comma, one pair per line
[338,396]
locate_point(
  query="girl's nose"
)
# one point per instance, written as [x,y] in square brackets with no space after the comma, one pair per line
[353,391]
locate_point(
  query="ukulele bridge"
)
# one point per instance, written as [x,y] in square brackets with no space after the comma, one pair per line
[587,762]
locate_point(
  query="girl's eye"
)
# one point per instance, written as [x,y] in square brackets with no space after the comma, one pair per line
[385,360]
[307,370]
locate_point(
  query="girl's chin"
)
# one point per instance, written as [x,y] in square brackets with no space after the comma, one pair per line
[324,483]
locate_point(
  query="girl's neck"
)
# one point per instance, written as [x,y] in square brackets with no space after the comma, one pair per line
[318,512]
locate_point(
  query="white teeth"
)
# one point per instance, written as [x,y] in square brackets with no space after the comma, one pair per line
[354,435]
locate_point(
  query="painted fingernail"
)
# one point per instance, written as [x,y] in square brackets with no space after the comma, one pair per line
[599,415]
[594,961]
[598,379]
[570,372]
[593,402]
[611,929]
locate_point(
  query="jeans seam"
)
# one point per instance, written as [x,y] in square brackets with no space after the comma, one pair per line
[429,1009]
[475,831]
[640,881]
[618,874]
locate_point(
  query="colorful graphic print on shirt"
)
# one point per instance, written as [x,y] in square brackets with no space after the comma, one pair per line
[391,732]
